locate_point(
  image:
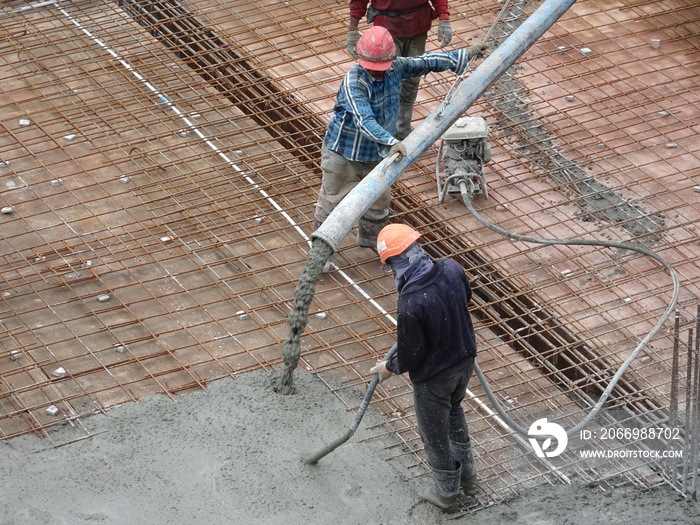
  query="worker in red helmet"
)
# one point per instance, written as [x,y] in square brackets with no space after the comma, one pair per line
[362,129]
[408,21]
[436,345]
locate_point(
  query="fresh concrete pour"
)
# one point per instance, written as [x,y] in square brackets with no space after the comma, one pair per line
[234,454]
[298,317]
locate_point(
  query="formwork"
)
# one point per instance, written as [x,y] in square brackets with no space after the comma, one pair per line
[159,163]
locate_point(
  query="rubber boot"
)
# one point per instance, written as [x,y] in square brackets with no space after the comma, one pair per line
[403,122]
[444,494]
[368,231]
[326,267]
[463,453]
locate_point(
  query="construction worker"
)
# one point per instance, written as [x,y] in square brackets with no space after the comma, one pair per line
[362,129]
[436,346]
[408,21]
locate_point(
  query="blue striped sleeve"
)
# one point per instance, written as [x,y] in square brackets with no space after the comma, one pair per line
[435,61]
[358,92]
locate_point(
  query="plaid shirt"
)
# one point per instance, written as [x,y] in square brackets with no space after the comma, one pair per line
[363,124]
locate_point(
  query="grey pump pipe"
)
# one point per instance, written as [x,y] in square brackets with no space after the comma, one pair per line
[344,216]
[312,460]
[467,198]
[351,208]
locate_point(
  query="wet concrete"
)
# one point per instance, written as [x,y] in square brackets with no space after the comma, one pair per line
[587,504]
[234,454]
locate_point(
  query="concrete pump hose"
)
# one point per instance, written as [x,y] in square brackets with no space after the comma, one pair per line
[576,242]
[313,459]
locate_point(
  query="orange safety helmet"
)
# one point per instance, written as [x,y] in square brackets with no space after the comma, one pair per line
[394,239]
[376,49]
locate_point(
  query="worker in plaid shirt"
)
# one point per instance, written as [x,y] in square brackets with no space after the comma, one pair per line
[362,129]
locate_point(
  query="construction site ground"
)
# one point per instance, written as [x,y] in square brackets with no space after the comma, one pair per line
[235,454]
[159,166]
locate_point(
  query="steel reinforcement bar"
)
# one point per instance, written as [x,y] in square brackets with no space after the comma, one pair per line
[516,317]
[236,76]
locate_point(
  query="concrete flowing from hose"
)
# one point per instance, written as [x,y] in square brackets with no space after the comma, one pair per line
[304,293]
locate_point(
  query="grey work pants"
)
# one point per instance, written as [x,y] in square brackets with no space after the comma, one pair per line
[408,47]
[440,415]
[340,176]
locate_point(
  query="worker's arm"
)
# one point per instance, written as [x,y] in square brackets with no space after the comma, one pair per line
[357,98]
[444,32]
[467,286]
[441,9]
[411,345]
[358,8]
[433,62]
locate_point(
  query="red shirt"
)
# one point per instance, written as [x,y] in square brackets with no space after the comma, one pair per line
[403,26]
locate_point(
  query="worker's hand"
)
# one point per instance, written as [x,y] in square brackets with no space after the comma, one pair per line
[380,368]
[477,50]
[399,148]
[351,42]
[444,35]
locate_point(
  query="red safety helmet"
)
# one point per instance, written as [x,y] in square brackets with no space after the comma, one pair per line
[376,49]
[394,239]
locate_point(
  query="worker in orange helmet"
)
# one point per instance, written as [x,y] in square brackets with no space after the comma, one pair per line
[362,129]
[408,21]
[436,345]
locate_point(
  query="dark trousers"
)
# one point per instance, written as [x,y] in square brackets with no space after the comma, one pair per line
[440,415]
[408,47]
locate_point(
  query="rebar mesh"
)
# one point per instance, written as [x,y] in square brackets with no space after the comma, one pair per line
[161,159]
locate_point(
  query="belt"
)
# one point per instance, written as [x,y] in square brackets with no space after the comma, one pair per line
[372,12]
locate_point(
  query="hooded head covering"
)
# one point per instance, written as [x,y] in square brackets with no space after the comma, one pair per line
[410,265]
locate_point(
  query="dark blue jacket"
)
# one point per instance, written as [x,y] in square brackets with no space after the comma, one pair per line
[434,328]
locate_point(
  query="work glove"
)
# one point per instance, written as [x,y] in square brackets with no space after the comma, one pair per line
[477,50]
[351,42]
[444,35]
[399,148]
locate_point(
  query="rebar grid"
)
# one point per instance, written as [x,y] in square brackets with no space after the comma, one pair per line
[196,123]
